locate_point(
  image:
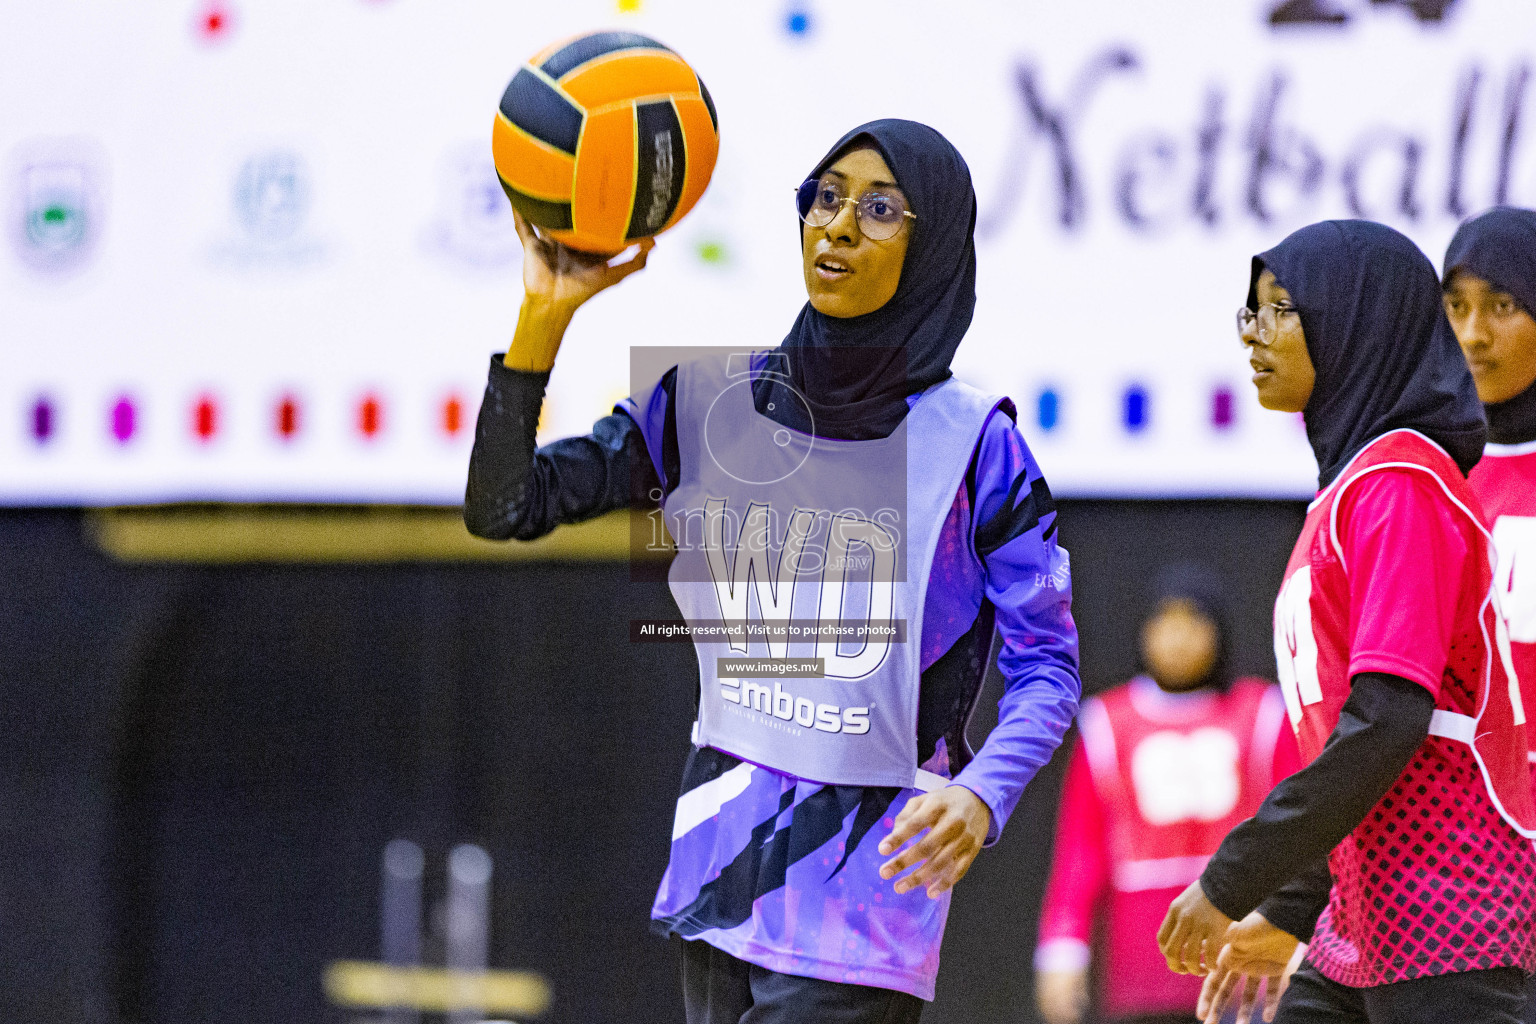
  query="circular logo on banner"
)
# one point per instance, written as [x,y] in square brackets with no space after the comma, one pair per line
[270,201]
[271,197]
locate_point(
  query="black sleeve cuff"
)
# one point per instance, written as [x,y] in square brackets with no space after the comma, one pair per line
[1224,891]
[1295,907]
[503,377]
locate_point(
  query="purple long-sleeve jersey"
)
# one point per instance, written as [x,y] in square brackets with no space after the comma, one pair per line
[784,873]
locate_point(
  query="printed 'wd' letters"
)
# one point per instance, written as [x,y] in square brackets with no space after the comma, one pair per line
[857,550]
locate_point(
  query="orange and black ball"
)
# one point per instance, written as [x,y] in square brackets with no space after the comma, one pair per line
[605,139]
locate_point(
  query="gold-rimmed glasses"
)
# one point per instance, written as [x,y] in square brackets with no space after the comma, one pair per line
[1268,319]
[878,212]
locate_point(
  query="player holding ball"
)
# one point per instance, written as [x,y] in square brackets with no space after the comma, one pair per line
[823,821]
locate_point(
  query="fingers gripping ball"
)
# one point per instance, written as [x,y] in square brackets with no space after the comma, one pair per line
[605,139]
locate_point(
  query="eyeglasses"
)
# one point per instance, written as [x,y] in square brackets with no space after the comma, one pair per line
[879,214]
[1268,319]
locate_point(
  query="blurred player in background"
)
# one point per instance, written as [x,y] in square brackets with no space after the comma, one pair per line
[1165,766]
[1416,789]
[1490,294]
[802,897]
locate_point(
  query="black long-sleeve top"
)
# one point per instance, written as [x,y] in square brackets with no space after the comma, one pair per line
[1276,861]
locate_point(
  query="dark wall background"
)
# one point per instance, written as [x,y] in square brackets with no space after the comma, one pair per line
[199,767]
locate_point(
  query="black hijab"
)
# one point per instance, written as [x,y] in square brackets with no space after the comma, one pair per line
[1383,351]
[1196,583]
[1500,247]
[855,373]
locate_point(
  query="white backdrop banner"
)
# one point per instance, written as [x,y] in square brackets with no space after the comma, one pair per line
[255,249]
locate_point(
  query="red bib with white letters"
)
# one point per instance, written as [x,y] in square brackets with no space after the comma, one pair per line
[1505,483]
[1312,618]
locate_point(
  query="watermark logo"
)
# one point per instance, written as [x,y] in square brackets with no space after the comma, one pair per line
[760,474]
[270,204]
[724,428]
[472,226]
[61,204]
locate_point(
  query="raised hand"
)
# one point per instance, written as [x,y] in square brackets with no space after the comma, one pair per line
[563,276]
[556,281]
[956,823]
